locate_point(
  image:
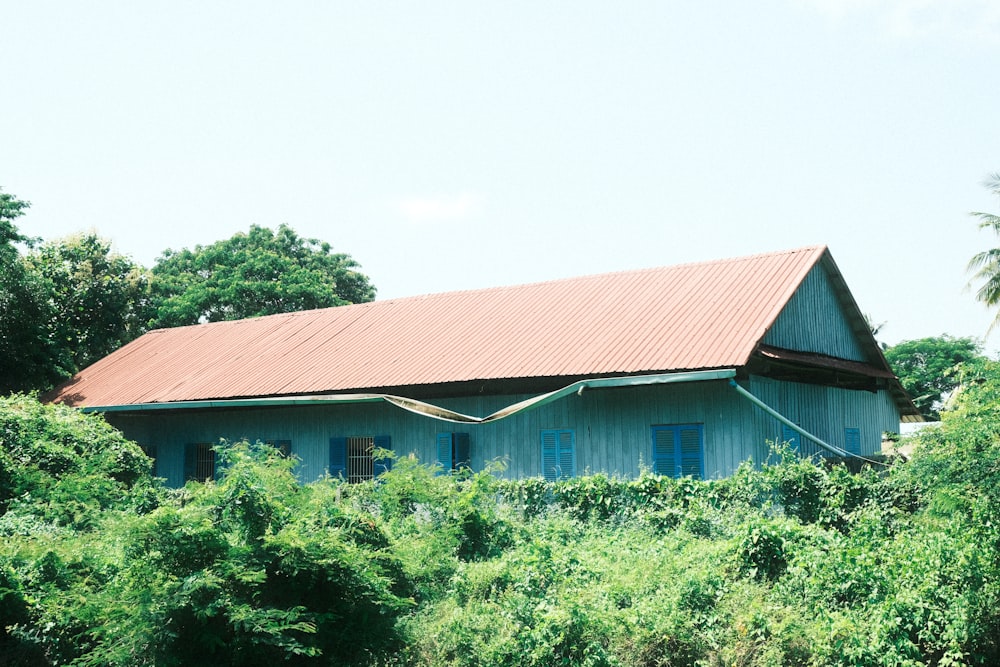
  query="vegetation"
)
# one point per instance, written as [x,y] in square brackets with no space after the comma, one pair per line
[928,368]
[259,273]
[66,303]
[985,265]
[789,563]
[99,299]
[26,352]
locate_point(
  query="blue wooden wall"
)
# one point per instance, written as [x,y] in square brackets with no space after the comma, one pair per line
[813,321]
[612,427]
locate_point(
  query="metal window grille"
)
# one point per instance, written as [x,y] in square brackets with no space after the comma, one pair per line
[360,466]
[204,463]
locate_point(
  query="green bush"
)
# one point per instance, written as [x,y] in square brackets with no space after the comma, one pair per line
[789,563]
[62,466]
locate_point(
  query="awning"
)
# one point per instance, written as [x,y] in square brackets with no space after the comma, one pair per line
[427,409]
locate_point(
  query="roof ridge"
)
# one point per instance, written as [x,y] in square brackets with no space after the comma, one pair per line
[817,248]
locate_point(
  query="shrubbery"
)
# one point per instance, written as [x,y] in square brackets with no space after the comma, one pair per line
[789,563]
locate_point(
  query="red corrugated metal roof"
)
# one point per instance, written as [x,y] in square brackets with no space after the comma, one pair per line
[695,316]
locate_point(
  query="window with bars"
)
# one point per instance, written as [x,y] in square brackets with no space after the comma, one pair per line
[678,450]
[199,462]
[558,454]
[353,458]
[453,451]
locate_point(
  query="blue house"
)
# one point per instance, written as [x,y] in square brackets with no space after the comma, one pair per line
[688,370]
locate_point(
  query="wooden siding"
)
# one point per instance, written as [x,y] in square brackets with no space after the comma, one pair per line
[612,427]
[814,321]
[826,412]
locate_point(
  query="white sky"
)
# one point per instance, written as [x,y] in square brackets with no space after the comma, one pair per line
[456,145]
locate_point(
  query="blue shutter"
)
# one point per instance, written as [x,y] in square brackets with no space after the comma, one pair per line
[567,455]
[690,451]
[664,462]
[382,465]
[558,457]
[791,436]
[462,457]
[852,440]
[549,456]
[444,450]
[678,451]
[338,457]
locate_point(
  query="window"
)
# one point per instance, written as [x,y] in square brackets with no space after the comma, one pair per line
[352,457]
[678,450]
[199,462]
[453,451]
[558,456]
[852,440]
[791,436]
[283,446]
[150,451]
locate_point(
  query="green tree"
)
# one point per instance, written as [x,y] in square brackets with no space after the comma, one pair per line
[926,368]
[27,355]
[261,272]
[100,298]
[985,266]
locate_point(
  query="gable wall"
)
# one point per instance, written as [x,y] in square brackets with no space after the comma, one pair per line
[813,321]
[612,427]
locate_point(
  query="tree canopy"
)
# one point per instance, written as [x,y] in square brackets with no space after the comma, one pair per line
[926,368]
[261,272]
[66,303]
[27,355]
[100,299]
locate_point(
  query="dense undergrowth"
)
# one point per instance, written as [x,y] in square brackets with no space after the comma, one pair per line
[789,563]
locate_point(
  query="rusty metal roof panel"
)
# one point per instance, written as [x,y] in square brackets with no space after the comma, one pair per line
[695,316]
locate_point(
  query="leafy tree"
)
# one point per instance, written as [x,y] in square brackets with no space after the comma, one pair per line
[986,265]
[925,368]
[100,299]
[27,355]
[258,273]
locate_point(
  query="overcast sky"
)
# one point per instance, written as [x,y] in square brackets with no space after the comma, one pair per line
[457,145]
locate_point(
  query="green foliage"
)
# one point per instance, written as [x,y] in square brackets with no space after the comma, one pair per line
[28,357]
[66,303]
[100,298]
[63,305]
[985,265]
[261,272]
[61,467]
[788,563]
[927,368]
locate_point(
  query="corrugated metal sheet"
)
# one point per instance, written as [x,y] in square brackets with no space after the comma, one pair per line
[696,316]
